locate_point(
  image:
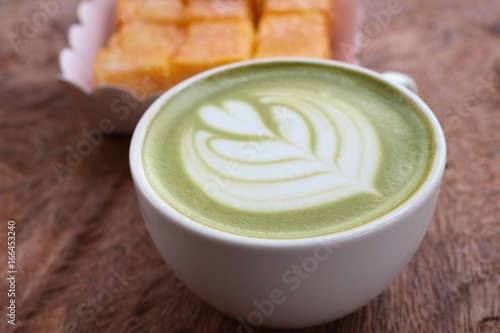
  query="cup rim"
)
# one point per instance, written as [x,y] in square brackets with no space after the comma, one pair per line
[428,186]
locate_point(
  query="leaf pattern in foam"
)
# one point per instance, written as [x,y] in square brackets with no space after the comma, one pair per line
[322,152]
[235,117]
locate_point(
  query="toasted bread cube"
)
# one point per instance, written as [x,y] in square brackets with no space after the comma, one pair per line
[141,74]
[159,11]
[296,6]
[326,7]
[199,10]
[142,36]
[304,35]
[212,43]
[141,64]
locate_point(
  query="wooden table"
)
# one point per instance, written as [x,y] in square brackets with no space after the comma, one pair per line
[85,262]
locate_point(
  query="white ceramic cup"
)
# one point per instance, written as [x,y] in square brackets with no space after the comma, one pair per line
[288,283]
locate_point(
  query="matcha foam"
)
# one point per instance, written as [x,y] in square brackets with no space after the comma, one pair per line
[287,151]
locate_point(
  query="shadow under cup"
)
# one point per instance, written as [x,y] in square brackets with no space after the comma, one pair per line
[288,283]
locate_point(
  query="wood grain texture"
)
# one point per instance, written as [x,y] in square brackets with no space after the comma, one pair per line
[86,263]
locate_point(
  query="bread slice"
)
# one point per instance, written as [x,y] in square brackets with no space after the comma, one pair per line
[199,10]
[141,64]
[212,43]
[301,35]
[156,11]
[296,6]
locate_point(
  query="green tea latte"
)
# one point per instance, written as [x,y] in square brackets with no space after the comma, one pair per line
[287,150]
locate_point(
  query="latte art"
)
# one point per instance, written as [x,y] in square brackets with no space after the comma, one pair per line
[316,150]
[288,151]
